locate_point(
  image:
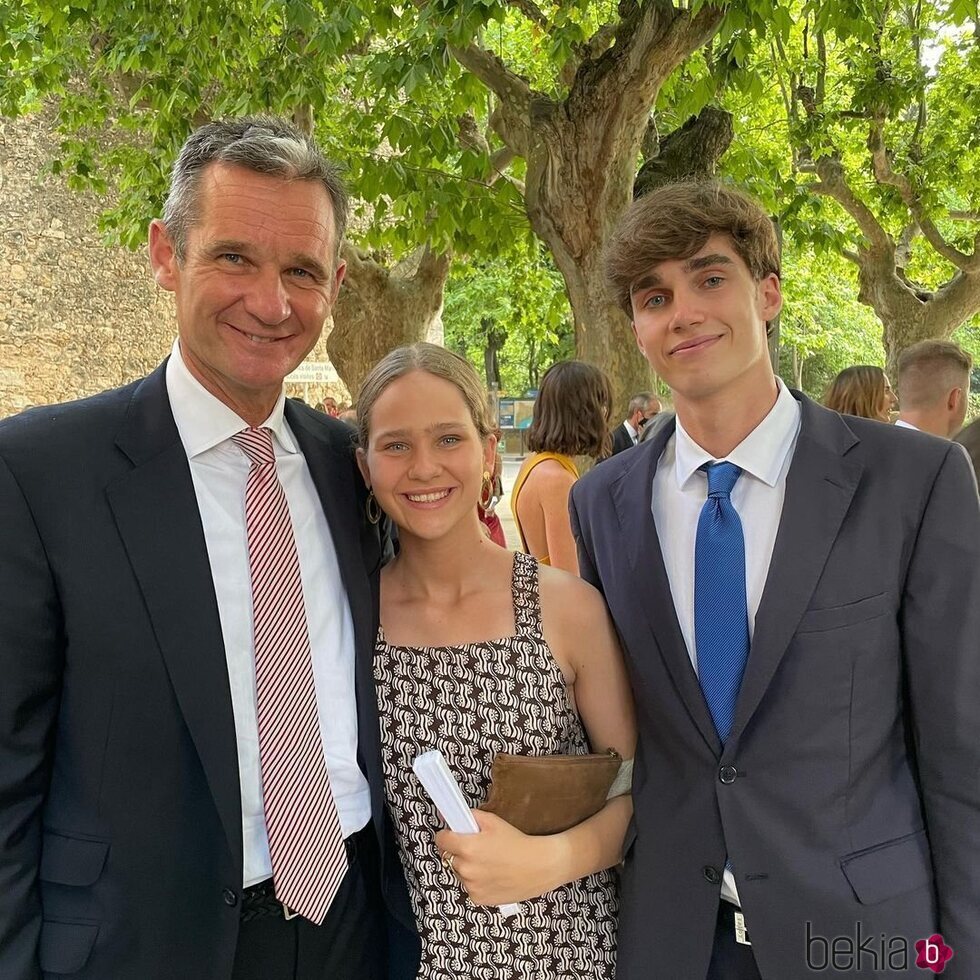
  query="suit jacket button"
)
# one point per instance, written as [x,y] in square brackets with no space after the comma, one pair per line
[728,774]
[230,896]
[711,874]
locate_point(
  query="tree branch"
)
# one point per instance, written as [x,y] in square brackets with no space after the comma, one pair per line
[505,84]
[510,118]
[834,184]
[885,175]
[531,11]
[651,40]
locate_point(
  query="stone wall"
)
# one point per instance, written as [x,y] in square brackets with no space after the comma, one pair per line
[76,316]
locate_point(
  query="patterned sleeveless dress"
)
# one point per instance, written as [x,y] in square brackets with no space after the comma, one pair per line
[473,701]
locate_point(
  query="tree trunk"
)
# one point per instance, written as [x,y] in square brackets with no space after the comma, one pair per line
[581,155]
[603,334]
[574,211]
[908,316]
[380,309]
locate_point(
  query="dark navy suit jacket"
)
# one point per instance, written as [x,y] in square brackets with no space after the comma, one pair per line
[120,813]
[848,794]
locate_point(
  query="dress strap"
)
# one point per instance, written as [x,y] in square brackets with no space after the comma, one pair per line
[524,590]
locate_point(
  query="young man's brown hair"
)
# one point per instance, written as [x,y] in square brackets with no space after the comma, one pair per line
[675,222]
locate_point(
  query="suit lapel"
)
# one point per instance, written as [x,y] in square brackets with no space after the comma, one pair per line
[157,514]
[632,497]
[819,488]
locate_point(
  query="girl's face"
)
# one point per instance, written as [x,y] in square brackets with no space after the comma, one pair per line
[425,459]
[888,401]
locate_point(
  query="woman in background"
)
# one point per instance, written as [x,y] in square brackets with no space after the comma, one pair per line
[571,418]
[481,652]
[862,390]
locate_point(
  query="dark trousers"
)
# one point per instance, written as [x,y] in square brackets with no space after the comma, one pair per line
[730,959]
[349,945]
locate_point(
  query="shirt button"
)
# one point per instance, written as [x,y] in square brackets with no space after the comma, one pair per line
[230,896]
[728,774]
[711,874]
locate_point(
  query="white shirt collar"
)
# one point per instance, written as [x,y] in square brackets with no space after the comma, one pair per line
[761,453]
[204,421]
[902,424]
[634,435]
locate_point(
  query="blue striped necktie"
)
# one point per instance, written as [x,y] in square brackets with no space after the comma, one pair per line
[721,623]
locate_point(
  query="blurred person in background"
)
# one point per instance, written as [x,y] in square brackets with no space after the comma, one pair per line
[571,418]
[642,407]
[934,387]
[862,390]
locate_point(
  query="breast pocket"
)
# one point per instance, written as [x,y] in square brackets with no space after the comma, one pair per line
[849,614]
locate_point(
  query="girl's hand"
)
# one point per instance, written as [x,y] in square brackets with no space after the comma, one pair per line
[500,864]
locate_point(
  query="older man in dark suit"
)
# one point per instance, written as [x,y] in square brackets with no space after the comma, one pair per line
[798,595]
[642,407]
[190,781]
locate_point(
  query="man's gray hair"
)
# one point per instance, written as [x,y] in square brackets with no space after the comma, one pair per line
[639,402]
[263,144]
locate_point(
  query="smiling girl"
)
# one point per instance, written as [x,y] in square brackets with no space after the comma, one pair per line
[481,651]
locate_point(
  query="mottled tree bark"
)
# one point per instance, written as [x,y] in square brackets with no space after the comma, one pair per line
[380,309]
[582,154]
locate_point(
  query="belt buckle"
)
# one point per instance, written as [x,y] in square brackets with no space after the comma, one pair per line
[741,934]
[288,912]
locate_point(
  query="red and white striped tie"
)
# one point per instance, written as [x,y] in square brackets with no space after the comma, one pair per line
[306,843]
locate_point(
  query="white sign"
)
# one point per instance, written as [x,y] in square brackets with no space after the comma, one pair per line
[313,372]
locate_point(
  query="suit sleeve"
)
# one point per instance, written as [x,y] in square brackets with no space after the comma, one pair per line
[31,655]
[586,559]
[941,645]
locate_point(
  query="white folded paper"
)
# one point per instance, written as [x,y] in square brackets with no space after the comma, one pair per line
[434,775]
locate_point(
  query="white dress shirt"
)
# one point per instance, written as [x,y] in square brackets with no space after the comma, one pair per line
[680,490]
[633,434]
[219,470]
[902,424]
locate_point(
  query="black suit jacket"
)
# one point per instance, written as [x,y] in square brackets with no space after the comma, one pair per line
[621,439]
[120,812]
[848,794]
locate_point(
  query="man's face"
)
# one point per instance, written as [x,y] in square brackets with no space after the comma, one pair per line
[701,322]
[643,415]
[258,280]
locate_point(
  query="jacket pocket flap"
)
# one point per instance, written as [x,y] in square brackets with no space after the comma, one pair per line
[851,613]
[886,870]
[66,946]
[72,860]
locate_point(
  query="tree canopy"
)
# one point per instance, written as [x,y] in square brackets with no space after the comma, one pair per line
[478,132]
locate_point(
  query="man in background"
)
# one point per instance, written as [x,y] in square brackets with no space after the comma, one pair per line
[642,407]
[933,387]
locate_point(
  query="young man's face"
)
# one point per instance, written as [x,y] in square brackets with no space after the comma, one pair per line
[701,322]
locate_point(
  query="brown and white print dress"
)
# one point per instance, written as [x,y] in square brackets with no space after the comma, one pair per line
[471,702]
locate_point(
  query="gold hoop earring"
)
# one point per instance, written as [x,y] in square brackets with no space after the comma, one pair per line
[486,490]
[372,508]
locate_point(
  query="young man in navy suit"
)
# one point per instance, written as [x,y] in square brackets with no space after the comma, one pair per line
[798,596]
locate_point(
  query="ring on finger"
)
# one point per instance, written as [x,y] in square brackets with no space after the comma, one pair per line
[447,860]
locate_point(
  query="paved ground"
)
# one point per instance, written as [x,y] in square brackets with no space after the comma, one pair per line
[511,465]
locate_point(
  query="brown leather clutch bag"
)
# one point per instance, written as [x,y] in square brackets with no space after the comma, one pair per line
[547,794]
